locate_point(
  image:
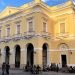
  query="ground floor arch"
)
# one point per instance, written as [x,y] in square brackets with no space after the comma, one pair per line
[7,54]
[45,57]
[17,56]
[30,54]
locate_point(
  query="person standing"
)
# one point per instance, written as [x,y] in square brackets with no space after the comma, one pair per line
[7,68]
[57,68]
[3,68]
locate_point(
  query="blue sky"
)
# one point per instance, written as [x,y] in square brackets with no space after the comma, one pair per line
[16,3]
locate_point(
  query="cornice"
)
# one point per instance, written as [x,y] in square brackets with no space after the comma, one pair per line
[17,17]
[60,9]
[31,5]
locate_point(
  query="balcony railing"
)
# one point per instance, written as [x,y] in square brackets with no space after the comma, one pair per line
[17,37]
[62,35]
[26,35]
[29,34]
[46,34]
[7,38]
[1,40]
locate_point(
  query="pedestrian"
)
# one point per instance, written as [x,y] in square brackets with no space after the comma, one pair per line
[3,68]
[7,68]
[38,69]
[57,68]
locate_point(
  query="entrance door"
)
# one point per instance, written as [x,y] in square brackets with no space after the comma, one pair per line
[7,54]
[44,55]
[64,60]
[17,56]
[30,55]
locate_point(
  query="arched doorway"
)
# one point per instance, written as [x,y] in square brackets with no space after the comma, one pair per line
[63,47]
[7,54]
[30,54]
[44,54]
[17,56]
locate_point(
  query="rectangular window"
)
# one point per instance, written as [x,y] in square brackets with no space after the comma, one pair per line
[44,27]
[8,31]
[30,26]
[62,27]
[18,29]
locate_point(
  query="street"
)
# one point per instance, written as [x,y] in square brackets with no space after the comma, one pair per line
[21,72]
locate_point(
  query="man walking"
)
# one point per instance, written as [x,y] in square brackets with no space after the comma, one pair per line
[3,68]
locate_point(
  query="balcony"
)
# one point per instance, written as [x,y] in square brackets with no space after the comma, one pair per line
[6,38]
[17,37]
[46,34]
[62,35]
[1,40]
[28,35]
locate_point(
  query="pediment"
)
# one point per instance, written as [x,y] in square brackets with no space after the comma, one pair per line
[8,11]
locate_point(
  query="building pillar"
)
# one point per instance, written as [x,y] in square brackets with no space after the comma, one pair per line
[35,56]
[23,58]
[38,56]
[12,58]
[48,58]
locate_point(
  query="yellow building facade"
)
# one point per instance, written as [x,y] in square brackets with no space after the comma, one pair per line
[37,34]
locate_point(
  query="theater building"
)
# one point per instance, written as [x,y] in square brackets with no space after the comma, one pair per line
[36,33]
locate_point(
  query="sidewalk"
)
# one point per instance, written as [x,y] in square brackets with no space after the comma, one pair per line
[21,72]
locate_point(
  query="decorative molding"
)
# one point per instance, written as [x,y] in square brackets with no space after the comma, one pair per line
[18,17]
[18,22]
[37,48]
[62,50]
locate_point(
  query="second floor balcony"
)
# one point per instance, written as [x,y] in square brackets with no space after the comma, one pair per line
[28,35]
[46,34]
[1,40]
[25,35]
[17,37]
[62,35]
[7,38]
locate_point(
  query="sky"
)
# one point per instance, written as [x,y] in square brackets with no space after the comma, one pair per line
[17,3]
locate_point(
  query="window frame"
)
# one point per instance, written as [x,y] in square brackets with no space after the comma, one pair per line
[30,20]
[60,27]
[46,28]
[8,33]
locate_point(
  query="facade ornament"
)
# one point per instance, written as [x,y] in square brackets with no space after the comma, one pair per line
[37,1]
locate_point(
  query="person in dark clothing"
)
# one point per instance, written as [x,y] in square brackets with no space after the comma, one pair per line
[3,68]
[57,68]
[7,69]
[38,69]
